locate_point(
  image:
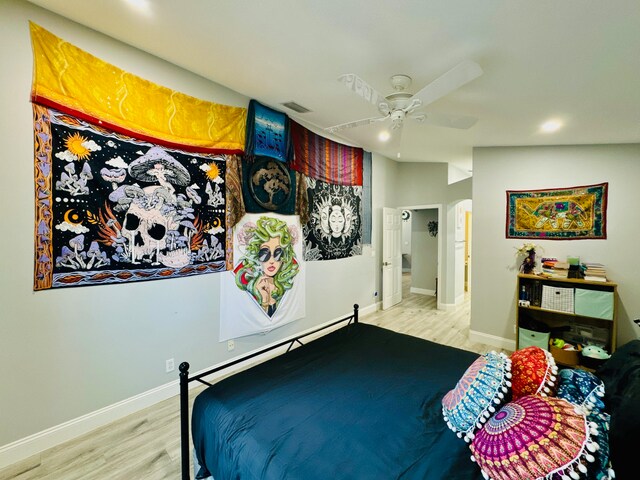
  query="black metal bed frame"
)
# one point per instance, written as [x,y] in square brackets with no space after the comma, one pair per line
[185,380]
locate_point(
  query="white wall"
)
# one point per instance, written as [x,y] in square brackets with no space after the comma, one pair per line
[68,352]
[521,168]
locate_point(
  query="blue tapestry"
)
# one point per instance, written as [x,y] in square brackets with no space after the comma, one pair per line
[267,132]
[366,198]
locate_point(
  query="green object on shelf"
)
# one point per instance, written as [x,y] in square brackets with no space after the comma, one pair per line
[529,338]
[594,303]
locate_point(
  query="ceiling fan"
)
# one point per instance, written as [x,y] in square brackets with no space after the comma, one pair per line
[402,104]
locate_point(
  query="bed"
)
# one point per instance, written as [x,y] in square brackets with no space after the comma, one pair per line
[359,402]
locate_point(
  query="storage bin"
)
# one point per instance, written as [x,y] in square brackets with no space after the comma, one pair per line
[564,357]
[557,298]
[594,303]
[529,338]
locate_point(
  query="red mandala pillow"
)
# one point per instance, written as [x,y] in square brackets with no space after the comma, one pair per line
[533,372]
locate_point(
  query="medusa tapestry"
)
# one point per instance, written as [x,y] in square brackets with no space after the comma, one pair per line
[266,287]
[110,208]
[334,229]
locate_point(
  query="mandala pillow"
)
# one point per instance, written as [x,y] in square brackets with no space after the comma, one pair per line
[534,438]
[581,388]
[534,372]
[477,394]
[601,469]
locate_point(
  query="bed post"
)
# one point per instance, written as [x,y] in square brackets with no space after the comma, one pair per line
[355,313]
[184,419]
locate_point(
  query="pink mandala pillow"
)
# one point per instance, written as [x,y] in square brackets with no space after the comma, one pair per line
[535,438]
[533,372]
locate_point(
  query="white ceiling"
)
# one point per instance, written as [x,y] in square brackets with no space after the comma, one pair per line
[574,60]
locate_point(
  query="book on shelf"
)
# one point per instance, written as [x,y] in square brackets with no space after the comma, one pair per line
[595,272]
[593,278]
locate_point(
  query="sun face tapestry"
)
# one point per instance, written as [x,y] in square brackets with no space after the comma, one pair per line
[558,214]
[334,229]
[266,288]
[110,208]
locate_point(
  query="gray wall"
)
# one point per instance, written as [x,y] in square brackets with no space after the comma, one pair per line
[496,170]
[420,184]
[424,267]
[68,352]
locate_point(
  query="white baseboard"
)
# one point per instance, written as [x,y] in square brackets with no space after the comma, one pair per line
[492,340]
[38,442]
[373,308]
[447,307]
[422,291]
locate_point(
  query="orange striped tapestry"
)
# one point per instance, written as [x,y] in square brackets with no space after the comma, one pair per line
[323,159]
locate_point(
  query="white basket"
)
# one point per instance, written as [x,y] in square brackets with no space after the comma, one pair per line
[557,298]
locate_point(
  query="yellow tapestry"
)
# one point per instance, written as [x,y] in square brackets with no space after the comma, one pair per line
[74,81]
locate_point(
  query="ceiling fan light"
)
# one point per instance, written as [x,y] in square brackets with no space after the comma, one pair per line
[384,135]
[550,126]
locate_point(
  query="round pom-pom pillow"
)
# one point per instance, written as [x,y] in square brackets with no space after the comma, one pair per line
[476,396]
[533,372]
[581,388]
[535,438]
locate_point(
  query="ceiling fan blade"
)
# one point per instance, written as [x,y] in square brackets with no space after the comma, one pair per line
[361,88]
[448,82]
[357,123]
[462,122]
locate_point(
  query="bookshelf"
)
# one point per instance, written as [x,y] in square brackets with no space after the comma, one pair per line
[595,323]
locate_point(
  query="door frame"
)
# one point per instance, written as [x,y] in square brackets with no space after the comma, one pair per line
[441,233]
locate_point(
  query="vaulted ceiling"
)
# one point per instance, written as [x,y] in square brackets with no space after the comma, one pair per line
[575,61]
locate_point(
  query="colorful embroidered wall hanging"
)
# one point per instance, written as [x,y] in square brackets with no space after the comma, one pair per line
[110,208]
[267,132]
[73,81]
[266,287]
[334,229]
[323,159]
[558,214]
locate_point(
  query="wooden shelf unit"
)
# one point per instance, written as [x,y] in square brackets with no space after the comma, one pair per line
[556,319]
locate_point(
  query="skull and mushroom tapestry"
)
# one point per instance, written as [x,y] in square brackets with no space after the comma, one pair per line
[127,187]
[558,214]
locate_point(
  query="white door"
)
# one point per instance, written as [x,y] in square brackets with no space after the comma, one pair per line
[391,257]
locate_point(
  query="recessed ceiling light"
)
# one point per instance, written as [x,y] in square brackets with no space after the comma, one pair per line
[384,135]
[550,126]
[398,155]
[142,6]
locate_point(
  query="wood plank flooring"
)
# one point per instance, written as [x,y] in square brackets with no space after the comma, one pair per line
[146,444]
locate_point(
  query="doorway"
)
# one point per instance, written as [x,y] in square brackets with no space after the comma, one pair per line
[421,249]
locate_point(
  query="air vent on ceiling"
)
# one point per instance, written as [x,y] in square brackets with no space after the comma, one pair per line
[295,107]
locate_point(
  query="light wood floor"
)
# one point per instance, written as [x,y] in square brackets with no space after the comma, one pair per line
[146,445]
